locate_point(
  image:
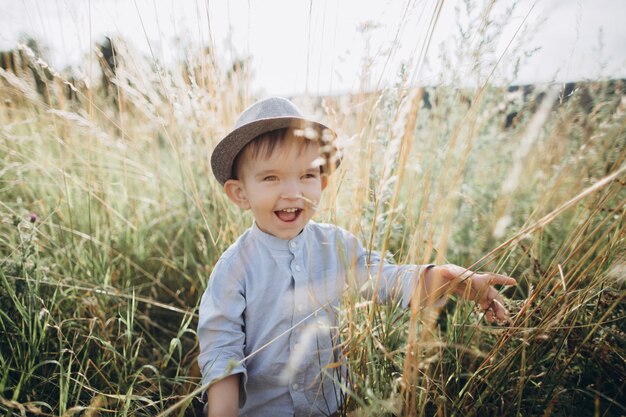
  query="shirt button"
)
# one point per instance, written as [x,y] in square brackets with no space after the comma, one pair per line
[298,268]
[295,387]
[293,245]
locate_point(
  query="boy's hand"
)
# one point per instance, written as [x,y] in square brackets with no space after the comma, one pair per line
[472,286]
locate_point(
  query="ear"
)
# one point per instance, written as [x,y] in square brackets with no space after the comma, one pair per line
[324,179]
[236,192]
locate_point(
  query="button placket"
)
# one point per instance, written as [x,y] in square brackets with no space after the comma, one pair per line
[299,276]
[299,299]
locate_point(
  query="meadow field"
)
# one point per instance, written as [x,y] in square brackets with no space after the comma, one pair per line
[111,222]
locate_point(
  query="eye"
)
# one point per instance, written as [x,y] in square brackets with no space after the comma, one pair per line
[270,178]
[309,175]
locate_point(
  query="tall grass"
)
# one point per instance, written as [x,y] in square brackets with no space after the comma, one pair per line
[111,222]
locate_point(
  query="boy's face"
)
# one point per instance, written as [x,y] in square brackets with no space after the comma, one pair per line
[282,190]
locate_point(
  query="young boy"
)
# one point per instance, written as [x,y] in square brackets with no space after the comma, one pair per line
[267,328]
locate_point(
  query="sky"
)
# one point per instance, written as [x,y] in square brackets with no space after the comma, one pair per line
[324,46]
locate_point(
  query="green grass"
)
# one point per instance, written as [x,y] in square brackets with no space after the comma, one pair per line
[99,293]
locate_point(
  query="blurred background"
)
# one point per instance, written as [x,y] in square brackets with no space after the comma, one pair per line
[320,47]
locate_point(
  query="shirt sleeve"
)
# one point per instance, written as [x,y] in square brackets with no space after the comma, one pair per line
[374,274]
[221,326]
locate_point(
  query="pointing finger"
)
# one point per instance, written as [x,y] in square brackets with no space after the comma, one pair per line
[501,279]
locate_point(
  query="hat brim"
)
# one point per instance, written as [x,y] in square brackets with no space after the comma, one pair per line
[229,147]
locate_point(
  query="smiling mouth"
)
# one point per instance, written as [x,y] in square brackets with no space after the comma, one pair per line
[289,214]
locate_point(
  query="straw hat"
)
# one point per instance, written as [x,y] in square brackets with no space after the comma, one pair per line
[262,117]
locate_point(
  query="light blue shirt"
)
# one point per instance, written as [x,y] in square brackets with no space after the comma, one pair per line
[270,314]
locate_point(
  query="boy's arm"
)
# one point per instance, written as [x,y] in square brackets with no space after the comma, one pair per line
[434,283]
[221,332]
[223,397]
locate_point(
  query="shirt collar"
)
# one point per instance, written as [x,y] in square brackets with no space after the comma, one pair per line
[277,243]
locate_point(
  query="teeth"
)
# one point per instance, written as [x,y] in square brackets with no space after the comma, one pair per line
[290,210]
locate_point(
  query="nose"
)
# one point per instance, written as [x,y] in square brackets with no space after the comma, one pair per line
[291,190]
